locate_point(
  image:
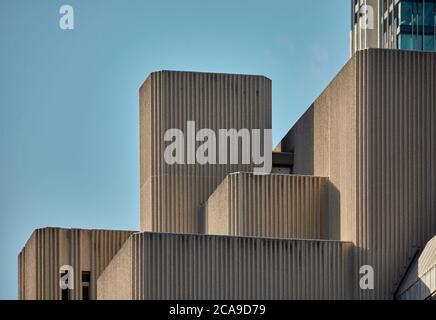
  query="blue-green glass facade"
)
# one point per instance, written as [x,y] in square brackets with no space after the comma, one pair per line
[416,24]
[393,24]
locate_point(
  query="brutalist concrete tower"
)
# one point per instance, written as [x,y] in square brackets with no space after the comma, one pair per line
[359,192]
[373,133]
[87,252]
[172,195]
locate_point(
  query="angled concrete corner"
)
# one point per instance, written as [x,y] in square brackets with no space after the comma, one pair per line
[116,281]
[204,267]
[172,194]
[419,282]
[282,206]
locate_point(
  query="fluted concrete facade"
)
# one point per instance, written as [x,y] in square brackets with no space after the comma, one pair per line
[171,195]
[372,132]
[176,266]
[420,280]
[282,206]
[50,248]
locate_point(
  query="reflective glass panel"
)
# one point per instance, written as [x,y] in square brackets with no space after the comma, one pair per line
[406,42]
[429,13]
[406,12]
[429,43]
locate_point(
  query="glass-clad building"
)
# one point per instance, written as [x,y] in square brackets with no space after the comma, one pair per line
[393,24]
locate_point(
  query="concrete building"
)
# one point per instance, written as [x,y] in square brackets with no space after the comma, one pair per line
[393,24]
[172,194]
[180,266]
[352,188]
[48,249]
[372,133]
[283,206]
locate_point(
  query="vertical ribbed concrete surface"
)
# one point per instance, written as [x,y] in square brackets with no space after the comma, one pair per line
[372,132]
[175,266]
[171,195]
[50,248]
[279,206]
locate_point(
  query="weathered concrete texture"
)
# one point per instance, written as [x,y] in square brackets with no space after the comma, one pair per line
[323,142]
[115,283]
[420,280]
[373,133]
[171,195]
[182,266]
[50,248]
[282,206]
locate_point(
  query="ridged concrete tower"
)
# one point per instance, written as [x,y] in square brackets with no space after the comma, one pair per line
[171,195]
[373,133]
[280,206]
[364,177]
[48,249]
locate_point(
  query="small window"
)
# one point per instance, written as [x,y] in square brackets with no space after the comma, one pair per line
[65,294]
[86,281]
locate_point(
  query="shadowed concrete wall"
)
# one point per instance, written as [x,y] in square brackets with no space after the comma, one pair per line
[372,132]
[50,248]
[420,280]
[177,266]
[282,206]
[171,195]
[324,144]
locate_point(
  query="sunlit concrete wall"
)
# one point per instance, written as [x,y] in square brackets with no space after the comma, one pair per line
[282,206]
[171,195]
[115,282]
[373,133]
[182,266]
[50,248]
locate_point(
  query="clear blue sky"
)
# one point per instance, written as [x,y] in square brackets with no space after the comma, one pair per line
[69,141]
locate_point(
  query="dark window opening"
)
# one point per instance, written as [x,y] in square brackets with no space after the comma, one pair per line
[65,294]
[86,281]
[86,276]
[85,293]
